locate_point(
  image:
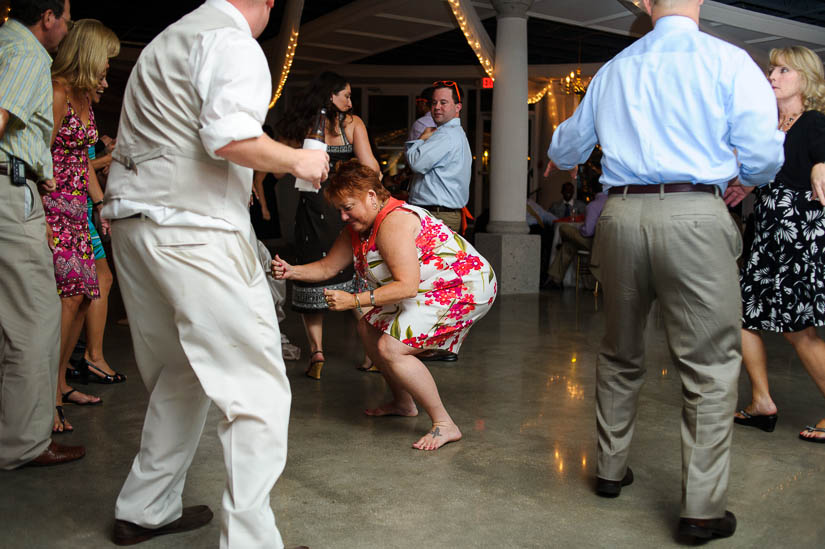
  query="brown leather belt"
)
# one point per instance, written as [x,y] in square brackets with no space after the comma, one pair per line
[437,209]
[5,169]
[666,188]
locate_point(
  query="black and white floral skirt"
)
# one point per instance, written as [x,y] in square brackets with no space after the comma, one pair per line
[783,279]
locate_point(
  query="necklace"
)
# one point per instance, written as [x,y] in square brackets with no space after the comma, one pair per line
[786,125]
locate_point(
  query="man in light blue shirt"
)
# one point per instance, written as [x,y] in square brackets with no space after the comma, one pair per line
[678,114]
[441,160]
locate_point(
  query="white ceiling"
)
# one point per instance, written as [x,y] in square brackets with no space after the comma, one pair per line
[366,27]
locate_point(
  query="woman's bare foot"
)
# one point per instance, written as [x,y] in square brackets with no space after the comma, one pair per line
[439,435]
[73,396]
[818,436]
[392,409]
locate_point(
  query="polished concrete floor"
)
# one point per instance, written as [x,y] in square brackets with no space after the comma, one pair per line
[523,393]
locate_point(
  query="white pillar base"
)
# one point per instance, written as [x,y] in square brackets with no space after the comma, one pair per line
[515,259]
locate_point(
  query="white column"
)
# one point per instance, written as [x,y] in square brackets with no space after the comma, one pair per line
[512,251]
[508,148]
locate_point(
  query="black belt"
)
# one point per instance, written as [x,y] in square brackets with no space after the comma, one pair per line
[437,209]
[6,170]
[665,187]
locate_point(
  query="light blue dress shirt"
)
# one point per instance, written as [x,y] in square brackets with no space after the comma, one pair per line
[672,107]
[442,167]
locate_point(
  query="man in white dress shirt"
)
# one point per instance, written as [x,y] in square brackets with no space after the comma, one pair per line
[203,323]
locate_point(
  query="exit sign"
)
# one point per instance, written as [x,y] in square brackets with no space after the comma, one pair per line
[487,83]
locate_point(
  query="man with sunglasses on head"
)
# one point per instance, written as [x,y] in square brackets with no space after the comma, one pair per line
[441,162]
[29,305]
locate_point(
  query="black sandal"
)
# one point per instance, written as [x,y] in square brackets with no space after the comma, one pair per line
[96,375]
[62,417]
[766,423]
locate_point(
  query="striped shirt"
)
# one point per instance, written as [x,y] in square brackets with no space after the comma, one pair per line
[26,92]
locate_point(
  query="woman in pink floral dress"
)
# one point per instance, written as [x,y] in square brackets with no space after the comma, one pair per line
[78,71]
[430,286]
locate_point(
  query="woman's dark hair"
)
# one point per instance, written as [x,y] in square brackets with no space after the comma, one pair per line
[29,12]
[353,178]
[299,117]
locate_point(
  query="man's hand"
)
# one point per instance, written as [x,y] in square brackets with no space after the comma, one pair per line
[426,134]
[818,182]
[310,165]
[47,186]
[736,192]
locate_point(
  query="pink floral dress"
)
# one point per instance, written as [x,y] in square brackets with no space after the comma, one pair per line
[74,260]
[457,285]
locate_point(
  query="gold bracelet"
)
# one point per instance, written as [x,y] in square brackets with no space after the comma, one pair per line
[372,298]
[358,303]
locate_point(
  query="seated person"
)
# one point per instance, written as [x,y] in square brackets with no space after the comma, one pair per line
[540,222]
[574,239]
[568,205]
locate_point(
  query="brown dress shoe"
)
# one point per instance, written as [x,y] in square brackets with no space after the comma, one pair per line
[129,533]
[56,454]
[708,528]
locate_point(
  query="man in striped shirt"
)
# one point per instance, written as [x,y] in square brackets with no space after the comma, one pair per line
[29,305]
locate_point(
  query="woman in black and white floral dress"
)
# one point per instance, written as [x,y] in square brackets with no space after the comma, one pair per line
[783,281]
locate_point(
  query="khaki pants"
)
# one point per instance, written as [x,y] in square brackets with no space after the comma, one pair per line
[451,219]
[571,242]
[679,248]
[29,327]
[204,330]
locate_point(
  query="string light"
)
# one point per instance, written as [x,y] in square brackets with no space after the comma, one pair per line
[290,54]
[473,40]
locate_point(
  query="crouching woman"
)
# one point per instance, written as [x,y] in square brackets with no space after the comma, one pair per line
[430,286]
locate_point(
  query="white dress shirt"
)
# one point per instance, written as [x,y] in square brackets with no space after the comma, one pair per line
[231,75]
[672,107]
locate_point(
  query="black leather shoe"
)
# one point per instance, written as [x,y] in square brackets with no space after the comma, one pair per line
[442,356]
[129,533]
[612,488]
[708,528]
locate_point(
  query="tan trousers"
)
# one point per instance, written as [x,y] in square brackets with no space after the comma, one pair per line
[29,327]
[451,219]
[681,249]
[204,330]
[571,242]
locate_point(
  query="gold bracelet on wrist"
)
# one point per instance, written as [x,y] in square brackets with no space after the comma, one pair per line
[372,298]
[358,303]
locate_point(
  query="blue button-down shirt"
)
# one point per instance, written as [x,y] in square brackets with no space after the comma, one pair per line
[672,107]
[442,166]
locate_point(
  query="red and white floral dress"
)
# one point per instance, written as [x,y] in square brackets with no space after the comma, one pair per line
[457,285]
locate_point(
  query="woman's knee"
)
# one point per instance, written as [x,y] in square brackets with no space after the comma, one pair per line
[104,277]
[72,303]
[802,337]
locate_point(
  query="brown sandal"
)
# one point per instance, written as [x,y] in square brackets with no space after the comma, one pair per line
[315,366]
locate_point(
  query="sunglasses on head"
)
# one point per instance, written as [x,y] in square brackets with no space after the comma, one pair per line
[448,84]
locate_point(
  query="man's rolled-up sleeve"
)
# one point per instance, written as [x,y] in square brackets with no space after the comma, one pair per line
[231,74]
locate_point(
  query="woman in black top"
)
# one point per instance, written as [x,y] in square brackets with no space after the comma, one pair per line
[317,223]
[783,281]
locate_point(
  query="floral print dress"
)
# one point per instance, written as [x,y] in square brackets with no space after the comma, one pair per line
[74,261]
[457,285]
[783,279]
